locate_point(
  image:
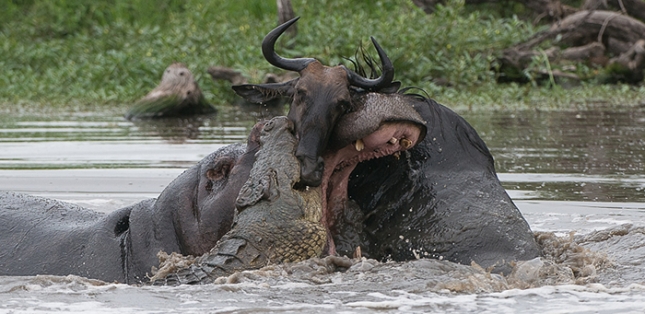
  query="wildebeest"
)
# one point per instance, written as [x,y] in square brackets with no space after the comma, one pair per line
[320,96]
[440,199]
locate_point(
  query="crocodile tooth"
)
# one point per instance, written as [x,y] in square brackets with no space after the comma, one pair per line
[406,143]
[393,140]
[359,145]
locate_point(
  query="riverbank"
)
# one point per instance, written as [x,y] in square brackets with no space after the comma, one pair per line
[78,55]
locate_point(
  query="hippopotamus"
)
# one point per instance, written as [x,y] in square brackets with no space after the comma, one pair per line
[45,236]
[441,199]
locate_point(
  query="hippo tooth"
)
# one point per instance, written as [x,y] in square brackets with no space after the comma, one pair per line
[359,145]
[406,143]
[397,155]
[393,140]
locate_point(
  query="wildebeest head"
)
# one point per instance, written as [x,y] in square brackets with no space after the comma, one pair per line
[319,97]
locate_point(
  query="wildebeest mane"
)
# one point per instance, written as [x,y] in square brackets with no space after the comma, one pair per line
[364,63]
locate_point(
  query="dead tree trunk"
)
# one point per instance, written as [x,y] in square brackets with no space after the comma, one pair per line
[285,13]
[613,40]
[616,31]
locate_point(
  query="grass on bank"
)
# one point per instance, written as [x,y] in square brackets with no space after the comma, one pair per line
[112,52]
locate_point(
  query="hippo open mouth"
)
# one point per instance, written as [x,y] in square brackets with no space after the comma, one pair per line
[381,127]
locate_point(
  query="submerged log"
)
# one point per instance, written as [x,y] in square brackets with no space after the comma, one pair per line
[177,95]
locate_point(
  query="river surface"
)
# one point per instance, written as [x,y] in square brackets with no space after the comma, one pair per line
[577,176]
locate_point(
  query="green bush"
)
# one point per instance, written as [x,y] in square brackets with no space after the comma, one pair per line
[112,52]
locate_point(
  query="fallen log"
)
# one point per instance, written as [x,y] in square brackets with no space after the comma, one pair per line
[587,26]
[553,9]
[593,37]
[628,67]
[634,8]
[177,95]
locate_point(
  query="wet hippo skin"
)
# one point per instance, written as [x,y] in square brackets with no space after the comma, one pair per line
[440,199]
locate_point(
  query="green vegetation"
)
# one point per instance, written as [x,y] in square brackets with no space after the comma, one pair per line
[112,52]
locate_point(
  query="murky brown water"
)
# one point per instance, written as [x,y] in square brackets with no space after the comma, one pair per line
[578,176]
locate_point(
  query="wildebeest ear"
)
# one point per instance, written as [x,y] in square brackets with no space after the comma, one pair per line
[262,93]
[266,188]
[391,89]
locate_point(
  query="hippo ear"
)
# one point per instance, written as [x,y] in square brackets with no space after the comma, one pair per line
[263,93]
[254,191]
[220,169]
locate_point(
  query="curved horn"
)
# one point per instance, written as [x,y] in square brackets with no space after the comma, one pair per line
[384,80]
[269,52]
